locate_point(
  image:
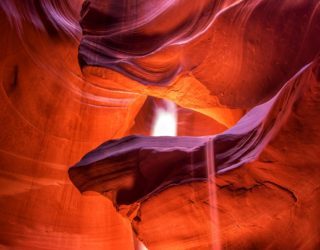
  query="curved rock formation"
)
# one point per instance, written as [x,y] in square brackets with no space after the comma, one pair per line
[139,171]
[249,51]
[265,71]
[272,203]
[153,163]
[251,66]
[50,117]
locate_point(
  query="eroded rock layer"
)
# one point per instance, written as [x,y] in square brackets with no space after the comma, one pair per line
[76,75]
[50,117]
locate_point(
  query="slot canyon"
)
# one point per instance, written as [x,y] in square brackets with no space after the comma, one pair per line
[160,124]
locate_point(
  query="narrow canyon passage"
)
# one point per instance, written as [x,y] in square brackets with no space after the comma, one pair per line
[168,124]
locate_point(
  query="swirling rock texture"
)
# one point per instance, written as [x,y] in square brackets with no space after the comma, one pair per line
[247,72]
[50,117]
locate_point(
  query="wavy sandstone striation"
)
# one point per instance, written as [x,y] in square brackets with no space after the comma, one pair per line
[246,75]
[50,117]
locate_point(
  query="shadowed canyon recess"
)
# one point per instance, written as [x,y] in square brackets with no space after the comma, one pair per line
[183,124]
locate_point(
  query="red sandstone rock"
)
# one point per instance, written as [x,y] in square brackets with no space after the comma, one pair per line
[52,115]
[272,203]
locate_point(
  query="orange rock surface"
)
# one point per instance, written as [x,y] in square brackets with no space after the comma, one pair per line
[272,203]
[50,117]
[53,112]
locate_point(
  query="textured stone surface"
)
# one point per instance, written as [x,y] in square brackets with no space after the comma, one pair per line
[255,203]
[272,203]
[50,117]
[217,60]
